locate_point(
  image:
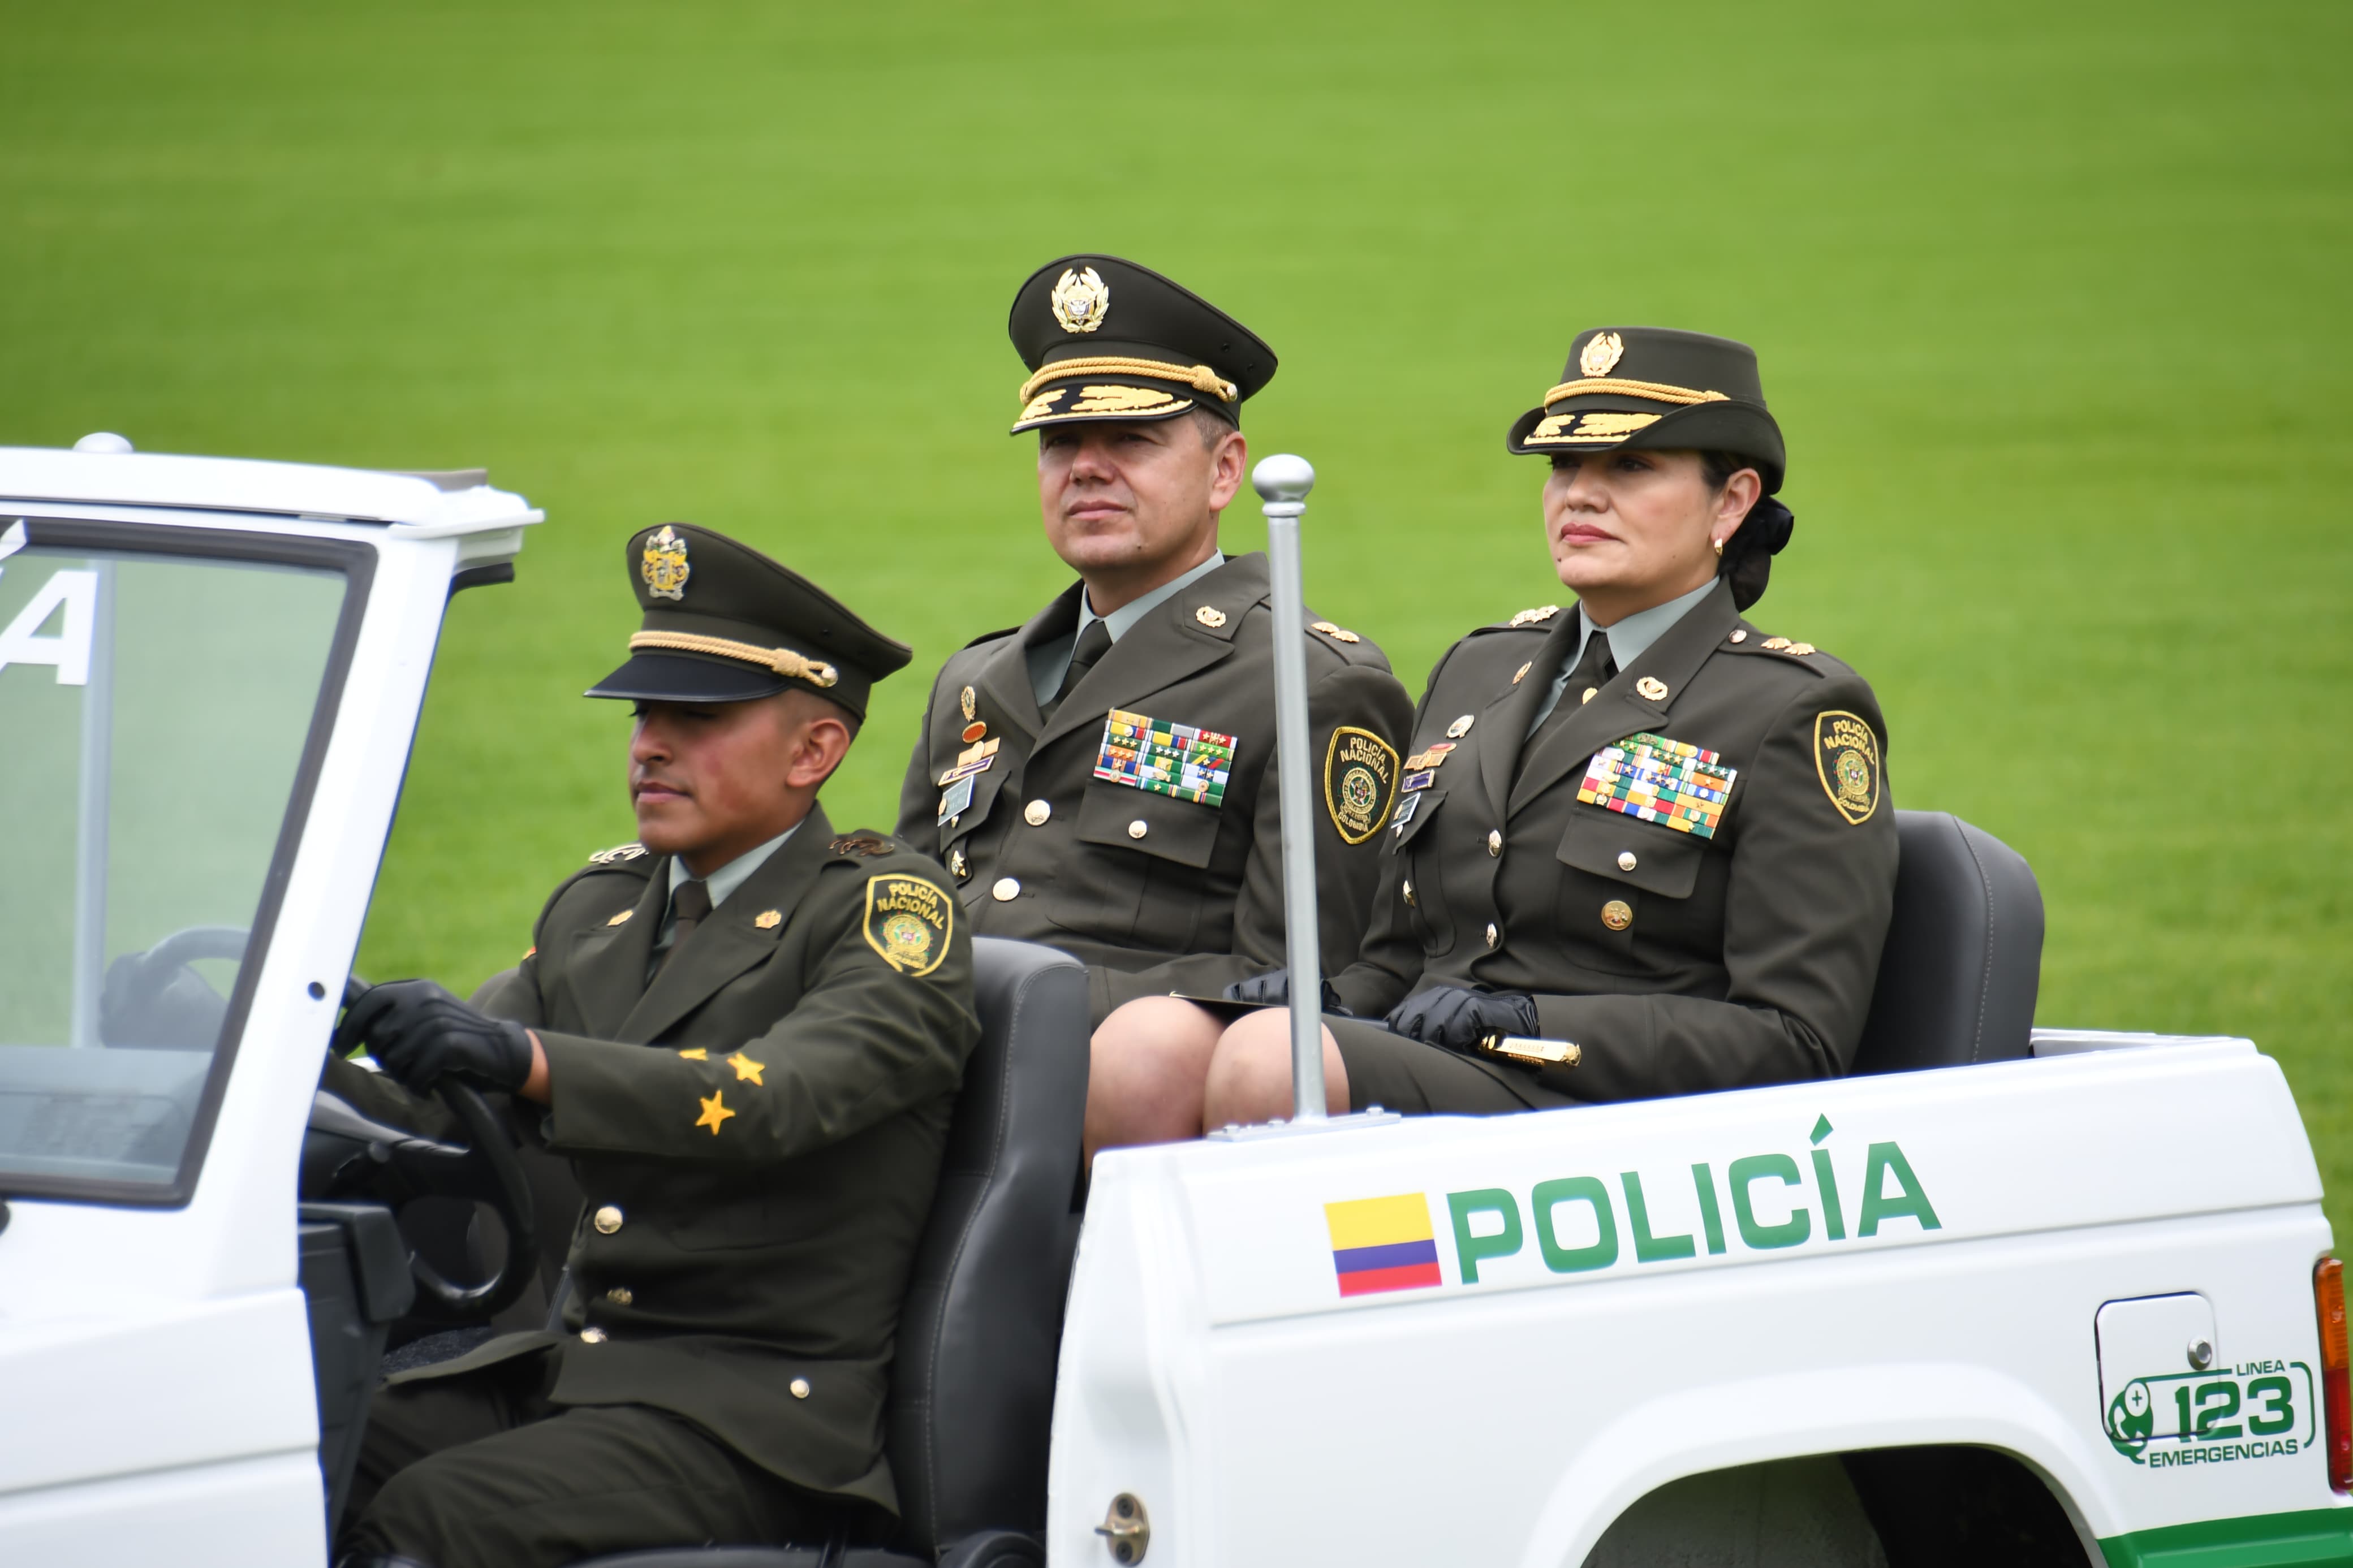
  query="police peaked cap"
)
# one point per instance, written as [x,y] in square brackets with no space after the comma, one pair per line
[1106,338]
[1656,388]
[723,622]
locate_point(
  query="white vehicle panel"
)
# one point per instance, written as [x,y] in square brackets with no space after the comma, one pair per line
[1263,1418]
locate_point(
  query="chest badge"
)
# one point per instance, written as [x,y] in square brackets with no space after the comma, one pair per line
[1360,775]
[1460,728]
[1672,783]
[1846,757]
[1162,758]
[908,922]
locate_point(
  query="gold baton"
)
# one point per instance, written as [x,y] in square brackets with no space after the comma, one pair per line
[1534,1053]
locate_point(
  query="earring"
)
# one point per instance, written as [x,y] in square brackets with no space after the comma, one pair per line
[1719,550]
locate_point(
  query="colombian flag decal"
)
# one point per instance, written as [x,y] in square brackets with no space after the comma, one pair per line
[1383,1244]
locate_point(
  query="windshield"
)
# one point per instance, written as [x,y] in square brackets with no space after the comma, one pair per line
[155,711]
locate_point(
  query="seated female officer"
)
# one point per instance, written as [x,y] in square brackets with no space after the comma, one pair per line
[1641,831]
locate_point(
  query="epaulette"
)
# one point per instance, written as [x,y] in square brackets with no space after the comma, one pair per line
[991,637]
[1520,622]
[1739,635]
[866,844]
[618,854]
[1804,654]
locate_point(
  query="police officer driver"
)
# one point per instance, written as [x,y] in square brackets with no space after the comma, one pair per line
[745,1033]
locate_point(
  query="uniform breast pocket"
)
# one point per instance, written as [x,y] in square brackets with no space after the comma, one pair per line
[1418,858]
[1627,880]
[1142,874]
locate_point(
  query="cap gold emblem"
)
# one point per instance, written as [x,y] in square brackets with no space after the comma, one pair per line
[1651,687]
[1601,353]
[1209,615]
[664,566]
[1080,300]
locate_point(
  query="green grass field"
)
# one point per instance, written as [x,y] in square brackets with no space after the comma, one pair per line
[2051,301]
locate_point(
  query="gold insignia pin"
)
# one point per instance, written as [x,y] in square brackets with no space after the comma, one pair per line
[1522,673]
[1616,915]
[1776,644]
[715,1111]
[1799,649]
[768,920]
[664,565]
[1334,632]
[1601,353]
[1080,300]
[1532,617]
[1460,728]
[969,703]
[957,864]
[747,1070]
[1590,692]
[696,1054]
[1209,616]
[976,730]
[616,855]
[621,919]
[1651,687]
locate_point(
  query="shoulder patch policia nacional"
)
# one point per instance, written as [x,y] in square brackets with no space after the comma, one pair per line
[907,921]
[1846,756]
[1360,773]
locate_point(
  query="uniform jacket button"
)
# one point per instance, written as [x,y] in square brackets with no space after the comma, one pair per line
[1138,828]
[620,1295]
[800,1387]
[1408,892]
[1617,914]
[1494,841]
[1036,813]
[609,1219]
[1007,889]
[1626,860]
[592,1336]
[1494,936]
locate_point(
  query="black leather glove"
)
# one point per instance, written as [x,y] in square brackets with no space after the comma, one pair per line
[1458,1019]
[419,1033]
[1274,991]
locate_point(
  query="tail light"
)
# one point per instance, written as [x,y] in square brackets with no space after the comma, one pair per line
[2328,1298]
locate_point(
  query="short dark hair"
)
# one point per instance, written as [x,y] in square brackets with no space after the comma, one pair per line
[1211,426]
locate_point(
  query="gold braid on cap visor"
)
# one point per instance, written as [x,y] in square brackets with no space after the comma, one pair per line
[782,660]
[1199,377]
[1657,392]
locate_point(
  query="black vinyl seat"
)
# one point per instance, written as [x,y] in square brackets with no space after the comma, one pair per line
[972,1387]
[1964,954]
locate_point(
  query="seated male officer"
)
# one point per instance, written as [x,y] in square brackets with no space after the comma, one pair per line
[747,1034]
[1100,779]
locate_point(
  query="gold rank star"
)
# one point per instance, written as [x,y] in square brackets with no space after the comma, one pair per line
[748,1070]
[715,1111]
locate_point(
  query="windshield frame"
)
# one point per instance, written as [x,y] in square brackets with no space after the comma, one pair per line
[356,561]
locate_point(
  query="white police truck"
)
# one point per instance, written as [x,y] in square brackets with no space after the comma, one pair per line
[2004,1296]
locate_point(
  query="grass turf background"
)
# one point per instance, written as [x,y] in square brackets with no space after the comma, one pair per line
[2049,300]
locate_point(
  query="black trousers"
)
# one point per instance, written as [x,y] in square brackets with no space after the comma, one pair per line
[481,1471]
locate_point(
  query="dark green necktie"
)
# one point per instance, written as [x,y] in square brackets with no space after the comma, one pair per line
[1092,644]
[690,903]
[1592,673]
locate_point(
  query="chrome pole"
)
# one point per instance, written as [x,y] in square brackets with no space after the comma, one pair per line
[1283,482]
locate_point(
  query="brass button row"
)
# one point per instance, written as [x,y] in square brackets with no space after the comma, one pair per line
[1494,841]
[609,1219]
[1036,813]
[1006,890]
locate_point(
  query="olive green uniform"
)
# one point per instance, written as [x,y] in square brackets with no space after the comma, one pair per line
[1677,960]
[1154,891]
[757,1133]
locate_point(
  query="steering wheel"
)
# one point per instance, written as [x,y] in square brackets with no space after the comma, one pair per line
[347,1154]
[154,999]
